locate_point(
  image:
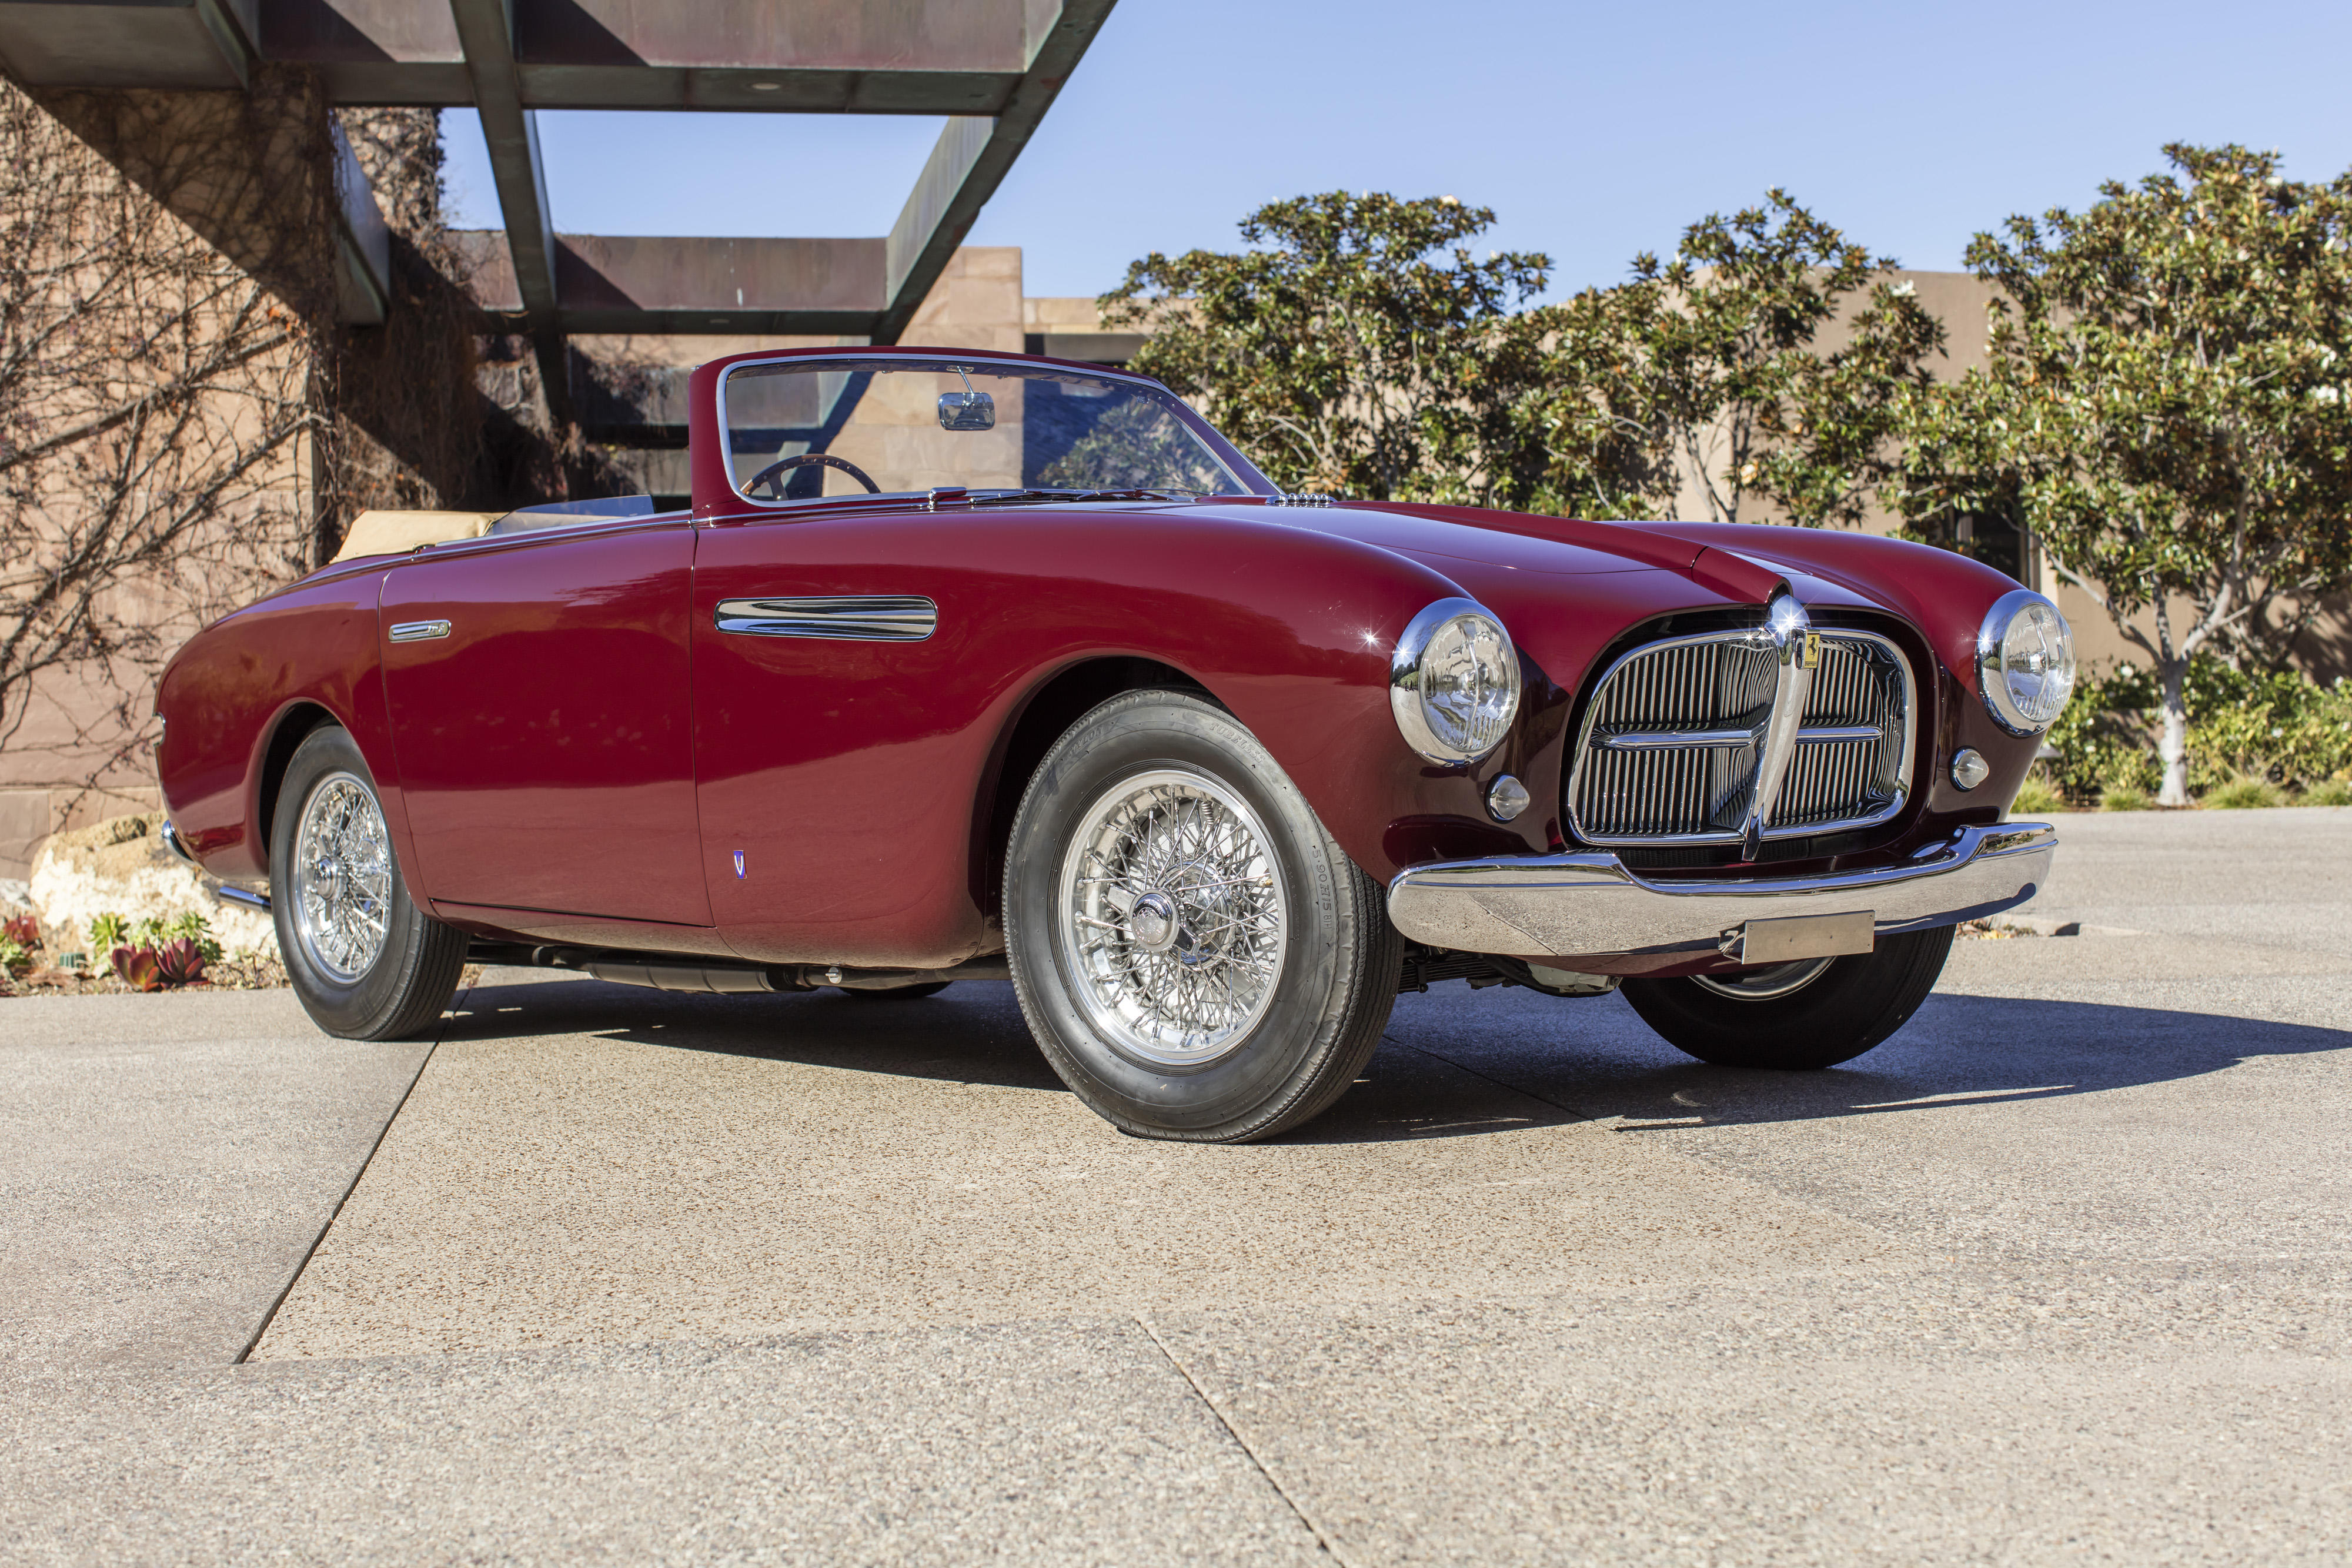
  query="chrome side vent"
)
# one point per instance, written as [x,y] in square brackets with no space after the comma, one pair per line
[1676,733]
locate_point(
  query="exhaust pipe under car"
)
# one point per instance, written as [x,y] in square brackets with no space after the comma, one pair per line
[664,972]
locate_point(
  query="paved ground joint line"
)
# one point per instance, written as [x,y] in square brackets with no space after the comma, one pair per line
[1579,1114]
[1321,1540]
[336,1213]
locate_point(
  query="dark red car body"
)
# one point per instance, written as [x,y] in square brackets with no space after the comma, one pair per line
[585,761]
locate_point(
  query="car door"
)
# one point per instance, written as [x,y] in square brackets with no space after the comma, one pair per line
[837,734]
[539,688]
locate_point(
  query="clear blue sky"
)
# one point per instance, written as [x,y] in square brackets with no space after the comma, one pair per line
[1594,130]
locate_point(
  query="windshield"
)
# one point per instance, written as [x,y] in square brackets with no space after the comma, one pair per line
[808,429]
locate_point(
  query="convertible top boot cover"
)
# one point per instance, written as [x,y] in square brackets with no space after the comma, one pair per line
[398,533]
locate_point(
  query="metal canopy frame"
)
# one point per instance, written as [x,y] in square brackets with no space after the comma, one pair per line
[992,67]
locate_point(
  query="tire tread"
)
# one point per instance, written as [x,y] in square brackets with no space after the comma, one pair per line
[1856,1004]
[1349,1024]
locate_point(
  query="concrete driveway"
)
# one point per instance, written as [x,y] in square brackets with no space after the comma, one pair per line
[2063,1273]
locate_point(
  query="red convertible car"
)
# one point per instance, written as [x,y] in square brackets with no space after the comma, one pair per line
[969,665]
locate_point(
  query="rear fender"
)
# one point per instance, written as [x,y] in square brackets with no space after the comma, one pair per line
[239,691]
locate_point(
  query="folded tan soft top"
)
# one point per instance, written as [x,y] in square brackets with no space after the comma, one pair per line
[398,533]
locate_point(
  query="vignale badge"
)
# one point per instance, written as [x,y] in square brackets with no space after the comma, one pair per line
[739,866]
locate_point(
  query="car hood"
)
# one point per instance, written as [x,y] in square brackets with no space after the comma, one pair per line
[1540,569]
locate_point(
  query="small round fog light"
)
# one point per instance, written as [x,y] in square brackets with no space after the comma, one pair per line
[1506,798]
[1969,768]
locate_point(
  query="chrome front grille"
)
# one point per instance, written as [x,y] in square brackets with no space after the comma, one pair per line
[1849,759]
[1672,743]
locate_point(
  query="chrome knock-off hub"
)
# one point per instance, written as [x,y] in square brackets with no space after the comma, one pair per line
[1152,922]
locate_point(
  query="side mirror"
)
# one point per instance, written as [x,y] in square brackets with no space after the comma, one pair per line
[967,410]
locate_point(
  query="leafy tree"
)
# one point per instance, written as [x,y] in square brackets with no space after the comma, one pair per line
[1359,347]
[1709,373]
[1356,347]
[2168,407]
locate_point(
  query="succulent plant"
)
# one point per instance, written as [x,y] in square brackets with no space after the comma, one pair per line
[135,967]
[192,924]
[108,932]
[179,962]
[23,930]
[153,966]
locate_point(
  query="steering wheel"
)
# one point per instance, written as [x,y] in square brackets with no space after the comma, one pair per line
[767,476]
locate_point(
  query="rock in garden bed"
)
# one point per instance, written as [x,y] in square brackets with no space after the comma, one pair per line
[123,866]
[111,908]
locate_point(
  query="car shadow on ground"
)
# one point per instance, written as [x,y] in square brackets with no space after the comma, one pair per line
[1456,1064]
[1958,1051]
[968,1033]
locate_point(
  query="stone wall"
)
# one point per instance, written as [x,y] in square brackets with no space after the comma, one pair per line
[173,252]
[241,191]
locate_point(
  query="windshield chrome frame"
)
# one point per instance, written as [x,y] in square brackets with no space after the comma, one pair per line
[1222,450]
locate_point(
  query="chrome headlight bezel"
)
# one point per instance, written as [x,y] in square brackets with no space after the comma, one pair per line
[1426,730]
[1994,660]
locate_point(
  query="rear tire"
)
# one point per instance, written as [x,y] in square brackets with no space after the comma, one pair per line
[365,961]
[1197,959]
[1846,1008]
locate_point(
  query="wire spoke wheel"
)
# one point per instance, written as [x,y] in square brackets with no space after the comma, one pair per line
[365,962]
[1173,922]
[1194,955]
[341,878]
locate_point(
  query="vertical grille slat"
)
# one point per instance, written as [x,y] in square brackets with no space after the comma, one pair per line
[1724,683]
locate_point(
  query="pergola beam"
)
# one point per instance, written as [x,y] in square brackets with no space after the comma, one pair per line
[512,133]
[989,68]
[873,56]
[970,160]
[647,284]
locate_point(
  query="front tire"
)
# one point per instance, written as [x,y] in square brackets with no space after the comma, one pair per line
[1799,1016]
[365,961]
[1197,959]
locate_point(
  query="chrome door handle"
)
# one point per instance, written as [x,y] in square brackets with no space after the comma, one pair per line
[419,630]
[856,617]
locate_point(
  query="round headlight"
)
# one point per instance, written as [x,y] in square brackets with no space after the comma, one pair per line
[2025,661]
[1454,682]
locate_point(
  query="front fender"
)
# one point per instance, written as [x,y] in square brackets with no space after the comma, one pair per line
[1292,629]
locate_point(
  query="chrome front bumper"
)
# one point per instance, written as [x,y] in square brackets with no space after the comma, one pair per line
[1589,905]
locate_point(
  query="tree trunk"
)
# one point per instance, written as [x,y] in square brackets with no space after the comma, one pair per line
[2172,744]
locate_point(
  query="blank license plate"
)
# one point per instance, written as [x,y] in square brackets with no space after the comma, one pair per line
[1805,937]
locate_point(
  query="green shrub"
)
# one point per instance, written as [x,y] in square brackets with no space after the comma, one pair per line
[2327,792]
[2035,797]
[2124,798]
[107,932]
[2283,727]
[2243,794]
